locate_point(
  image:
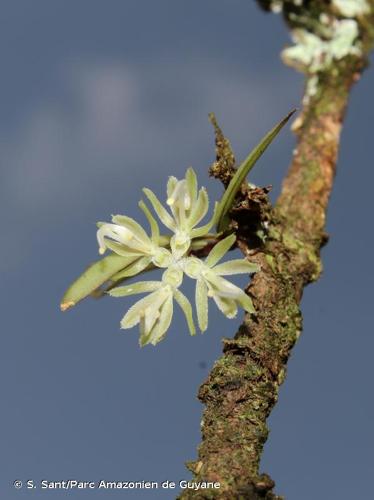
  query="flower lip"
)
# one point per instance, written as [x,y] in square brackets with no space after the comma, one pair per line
[173,276]
[192,266]
[161,257]
[115,232]
[181,237]
[180,195]
[129,238]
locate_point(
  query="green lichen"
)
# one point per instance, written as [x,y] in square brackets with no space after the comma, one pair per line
[305,253]
[271,261]
[351,8]
[313,54]
[311,87]
[276,6]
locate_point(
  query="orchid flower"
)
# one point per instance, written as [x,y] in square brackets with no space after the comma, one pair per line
[210,283]
[154,312]
[125,237]
[188,207]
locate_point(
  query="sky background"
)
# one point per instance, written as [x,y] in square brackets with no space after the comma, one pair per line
[99,99]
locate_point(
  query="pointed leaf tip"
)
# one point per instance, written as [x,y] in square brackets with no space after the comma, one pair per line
[229,195]
[93,277]
[64,306]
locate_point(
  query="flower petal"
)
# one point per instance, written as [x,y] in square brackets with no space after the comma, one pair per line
[246,303]
[227,306]
[221,286]
[172,181]
[186,307]
[199,208]
[237,266]
[163,323]
[191,180]
[122,249]
[135,268]
[135,288]
[203,230]
[147,305]
[201,297]
[130,236]
[113,231]
[160,210]
[178,195]
[132,226]
[219,250]
[155,230]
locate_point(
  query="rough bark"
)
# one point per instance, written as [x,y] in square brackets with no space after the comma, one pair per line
[243,385]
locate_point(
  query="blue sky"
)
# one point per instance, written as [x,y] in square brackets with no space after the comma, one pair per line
[98,100]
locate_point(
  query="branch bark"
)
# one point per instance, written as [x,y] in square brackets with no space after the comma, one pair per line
[243,385]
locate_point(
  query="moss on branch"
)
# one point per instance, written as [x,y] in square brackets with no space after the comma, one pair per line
[243,385]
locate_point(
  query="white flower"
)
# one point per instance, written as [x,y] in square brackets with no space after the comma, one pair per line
[127,238]
[210,283]
[188,207]
[154,312]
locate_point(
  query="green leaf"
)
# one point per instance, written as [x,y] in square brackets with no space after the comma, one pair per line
[95,275]
[228,197]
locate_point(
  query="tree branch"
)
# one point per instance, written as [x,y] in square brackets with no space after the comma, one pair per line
[243,385]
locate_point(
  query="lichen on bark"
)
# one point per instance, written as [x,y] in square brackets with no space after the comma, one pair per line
[243,386]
